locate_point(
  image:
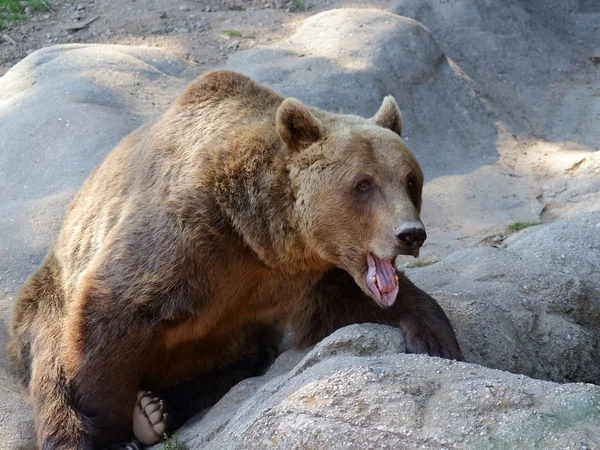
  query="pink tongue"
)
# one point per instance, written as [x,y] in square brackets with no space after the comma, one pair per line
[381,280]
[385,274]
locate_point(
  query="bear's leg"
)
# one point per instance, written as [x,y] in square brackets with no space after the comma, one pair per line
[105,381]
[84,395]
[183,400]
[36,334]
[82,412]
[337,301]
[59,425]
[40,297]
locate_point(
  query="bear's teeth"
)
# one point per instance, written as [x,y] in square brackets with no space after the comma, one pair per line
[397,278]
[374,280]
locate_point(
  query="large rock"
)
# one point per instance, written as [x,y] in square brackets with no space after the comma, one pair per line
[507,48]
[532,307]
[534,64]
[355,391]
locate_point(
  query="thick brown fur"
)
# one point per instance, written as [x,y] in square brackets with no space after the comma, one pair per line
[198,238]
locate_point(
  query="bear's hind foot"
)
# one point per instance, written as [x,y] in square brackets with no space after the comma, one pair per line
[150,421]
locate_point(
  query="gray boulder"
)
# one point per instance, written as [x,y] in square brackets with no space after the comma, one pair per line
[355,391]
[519,55]
[532,63]
[532,307]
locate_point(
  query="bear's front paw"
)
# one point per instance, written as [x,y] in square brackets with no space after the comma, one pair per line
[434,337]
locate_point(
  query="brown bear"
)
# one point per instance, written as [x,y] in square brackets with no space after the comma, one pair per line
[237,213]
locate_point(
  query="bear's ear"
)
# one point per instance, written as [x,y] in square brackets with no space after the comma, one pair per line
[389,115]
[296,126]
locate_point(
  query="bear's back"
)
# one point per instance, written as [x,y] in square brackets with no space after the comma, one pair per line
[223,119]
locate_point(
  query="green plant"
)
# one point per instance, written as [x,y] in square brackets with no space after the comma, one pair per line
[576,164]
[39,5]
[12,10]
[173,443]
[360,349]
[233,33]
[518,226]
[416,264]
[298,5]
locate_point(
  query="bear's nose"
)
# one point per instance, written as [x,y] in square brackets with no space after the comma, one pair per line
[411,234]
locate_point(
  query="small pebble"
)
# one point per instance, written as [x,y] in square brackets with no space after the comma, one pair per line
[234,45]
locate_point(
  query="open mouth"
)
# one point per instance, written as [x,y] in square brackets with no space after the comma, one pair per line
[382,280]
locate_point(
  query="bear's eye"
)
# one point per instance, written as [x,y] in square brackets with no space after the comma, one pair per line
[413,190]
[363,185]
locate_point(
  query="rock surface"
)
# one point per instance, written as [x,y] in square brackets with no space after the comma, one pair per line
[531,62]
[532,307]
[506,47]
[355,391]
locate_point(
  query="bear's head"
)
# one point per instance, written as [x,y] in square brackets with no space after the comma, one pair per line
[357,190]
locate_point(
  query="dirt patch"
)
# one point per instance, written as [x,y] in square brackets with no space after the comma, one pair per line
[205,32]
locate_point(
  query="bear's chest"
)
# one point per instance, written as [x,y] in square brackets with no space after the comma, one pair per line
[237,300]
[223,330]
